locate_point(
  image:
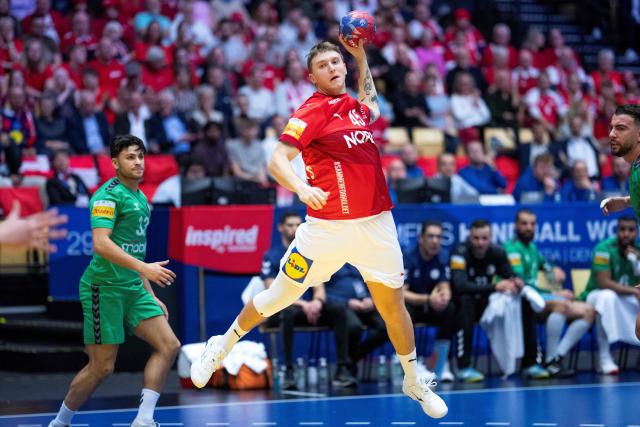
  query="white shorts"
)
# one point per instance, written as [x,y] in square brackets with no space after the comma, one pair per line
[321,247]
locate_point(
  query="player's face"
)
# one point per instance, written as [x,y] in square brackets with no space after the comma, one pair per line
[289,227]
[526,227]
[328,73]
[480,239]
[130,162]
[624,135]
[430,240]
[627,233]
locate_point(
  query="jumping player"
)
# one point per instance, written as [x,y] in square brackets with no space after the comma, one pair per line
[115,292]
[348,221]
[624,138]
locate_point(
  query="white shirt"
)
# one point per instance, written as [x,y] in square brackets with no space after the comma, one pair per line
[469,111]
[261,102]
[580,149]
[136,124]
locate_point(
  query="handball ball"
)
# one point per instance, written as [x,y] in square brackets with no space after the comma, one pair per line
[357,25]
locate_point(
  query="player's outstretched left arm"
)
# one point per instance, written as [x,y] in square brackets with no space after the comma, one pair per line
[367,93]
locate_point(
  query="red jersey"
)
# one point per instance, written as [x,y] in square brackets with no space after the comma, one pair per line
[340,155]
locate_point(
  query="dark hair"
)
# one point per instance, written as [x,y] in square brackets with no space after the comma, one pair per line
[632,110]
[57,152]
[319,48]
[480,223]
[121,142]
[524,210]
[628,218]
[430,223]
[543,158]
[289,214]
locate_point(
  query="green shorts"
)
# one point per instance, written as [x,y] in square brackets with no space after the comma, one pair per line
[109,309]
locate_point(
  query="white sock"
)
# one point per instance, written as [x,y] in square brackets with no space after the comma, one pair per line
[576,330]
[555,324]
[148,401]
[64,416]
[232,336]
[408,362]
[603,343]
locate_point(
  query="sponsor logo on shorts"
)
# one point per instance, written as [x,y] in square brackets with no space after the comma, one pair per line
[296,267]
[104,208]
[295,127]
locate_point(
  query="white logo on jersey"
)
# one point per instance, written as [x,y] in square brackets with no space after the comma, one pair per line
[358,137]
[356,119]
[136,206]
[333,101]
[337,115]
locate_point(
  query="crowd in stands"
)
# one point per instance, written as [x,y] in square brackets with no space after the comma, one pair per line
[215,81]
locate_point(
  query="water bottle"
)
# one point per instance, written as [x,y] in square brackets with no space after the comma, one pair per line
[275,374]
[312,373]
[383,370]
[300,373]
[323,374]
[397,374]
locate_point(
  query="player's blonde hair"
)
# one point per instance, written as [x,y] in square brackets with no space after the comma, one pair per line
[319,48]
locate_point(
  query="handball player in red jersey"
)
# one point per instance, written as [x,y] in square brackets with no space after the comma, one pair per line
[348,220]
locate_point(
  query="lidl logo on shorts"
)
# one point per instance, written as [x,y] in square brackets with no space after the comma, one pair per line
[295,127]
[104,208]
[296,266]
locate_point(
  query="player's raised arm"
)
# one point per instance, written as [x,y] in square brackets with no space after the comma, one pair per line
[367,93]
[280,168]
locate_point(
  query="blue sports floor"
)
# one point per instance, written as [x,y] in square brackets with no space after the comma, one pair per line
[614,404]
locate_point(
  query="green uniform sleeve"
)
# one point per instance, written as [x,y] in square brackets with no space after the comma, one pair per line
[104,210]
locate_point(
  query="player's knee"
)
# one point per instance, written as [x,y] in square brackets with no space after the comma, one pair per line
[282,293]
[172,347]
[589,314]
[102,370]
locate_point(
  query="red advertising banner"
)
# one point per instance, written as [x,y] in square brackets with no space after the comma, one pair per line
[230,239]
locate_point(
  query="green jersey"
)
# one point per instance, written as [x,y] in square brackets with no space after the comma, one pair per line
[526,262]
[126,213]
[634,188]
[607,257]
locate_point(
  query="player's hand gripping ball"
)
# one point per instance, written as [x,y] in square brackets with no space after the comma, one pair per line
[357,25]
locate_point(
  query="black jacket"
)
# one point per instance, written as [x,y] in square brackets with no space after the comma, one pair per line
[475,276]
[59,192]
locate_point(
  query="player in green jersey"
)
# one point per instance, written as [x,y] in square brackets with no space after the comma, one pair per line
[624,138]
[115,289]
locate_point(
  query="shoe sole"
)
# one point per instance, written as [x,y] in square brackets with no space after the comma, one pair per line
[420,401]
[196,383]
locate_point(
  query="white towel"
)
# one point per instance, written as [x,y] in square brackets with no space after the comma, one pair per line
[248,353]
[618,314]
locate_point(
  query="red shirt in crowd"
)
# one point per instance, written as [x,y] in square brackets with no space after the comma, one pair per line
[110,74]
[342,158]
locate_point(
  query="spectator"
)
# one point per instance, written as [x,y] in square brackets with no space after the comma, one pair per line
[610,290]
[468,108]
[231,44]
[556,45]
[501,101]
[76,64]
[500,64]
[480,173]
[462,22]
[65,187]
[167,129]
[246,154]
[293,91]
[463,65]
[90,133]
[261,100]
[479,268]
[618,183]
[18,125]
[409,157]
[54,23]
[605,71]
[132,120]
[579,187]
[152,37]
[64,90]
[36,70]
[534,43]
[80,33]
[11,48]
[461,191]
[308,310]
[347,288]
[215,76]
[202,35]
[183,91]
[50,46]
[396,75]
[260,58]
[440,116]
[567,66]
[539,179]
[393,47]
[527,153]
[544,104]
[114,31]
[396,173]
[423,21]
[151,13]
[631,88]
[501,39]
[110,71]
[213,150]
[428,294]
[278,124]
[409,106]
[525,76]
[156,74]
[430,51]
[560,304]
[577,147]
[206,112]
[51,128]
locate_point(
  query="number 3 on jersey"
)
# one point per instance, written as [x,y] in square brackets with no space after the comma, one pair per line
[142,227]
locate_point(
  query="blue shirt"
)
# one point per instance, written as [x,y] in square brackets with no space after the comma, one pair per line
[529,183]
[271,265]
[414,171]
[423,275]
[571,193]
[485,179]
[92,131]
[610,184]
[346,284]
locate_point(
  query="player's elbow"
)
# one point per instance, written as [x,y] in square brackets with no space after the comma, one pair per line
[99,246]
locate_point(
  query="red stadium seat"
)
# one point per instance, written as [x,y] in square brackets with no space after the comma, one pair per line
[36,166]
[105,168]
[157,168]
[510,169]
[85,167]
[29,198]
